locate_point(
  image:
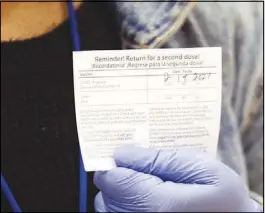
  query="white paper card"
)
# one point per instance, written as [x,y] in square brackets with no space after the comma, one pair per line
[163,98]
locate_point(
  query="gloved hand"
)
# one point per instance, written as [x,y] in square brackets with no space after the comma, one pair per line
[148,180]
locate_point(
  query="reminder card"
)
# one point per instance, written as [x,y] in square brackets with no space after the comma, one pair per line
[162,98]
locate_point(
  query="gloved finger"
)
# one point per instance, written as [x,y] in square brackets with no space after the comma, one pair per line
[189,166]
[99,203]
[125,190]
[126,185]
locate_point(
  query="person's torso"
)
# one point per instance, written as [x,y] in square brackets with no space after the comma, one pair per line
[39,142]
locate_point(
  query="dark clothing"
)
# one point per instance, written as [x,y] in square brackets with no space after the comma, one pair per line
[39,143]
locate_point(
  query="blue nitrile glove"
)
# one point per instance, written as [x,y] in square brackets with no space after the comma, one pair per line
[148,180]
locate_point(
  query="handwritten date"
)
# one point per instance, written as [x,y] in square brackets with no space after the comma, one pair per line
[188,77]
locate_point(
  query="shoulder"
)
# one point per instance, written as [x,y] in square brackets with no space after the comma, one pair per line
[27,20]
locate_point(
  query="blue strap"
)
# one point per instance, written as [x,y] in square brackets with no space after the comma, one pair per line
[82,172]
[73,25]
[7,192]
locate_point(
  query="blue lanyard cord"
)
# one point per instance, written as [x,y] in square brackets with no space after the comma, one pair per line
[7,192]
[82,172]
[73,25]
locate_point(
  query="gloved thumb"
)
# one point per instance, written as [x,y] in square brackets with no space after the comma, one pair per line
[185,166]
